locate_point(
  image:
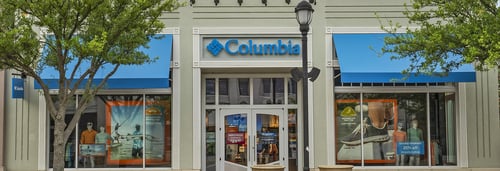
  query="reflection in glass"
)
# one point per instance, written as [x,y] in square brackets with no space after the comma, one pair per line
[158,131]
[243,85]
[115,131]
[268,90]
[235,149]
[292,140]
[210,140]
[402,118]
[292,91]
[348,128]
[93,121]
[125,119]
[267,138]
[443,129]
[210,91]
[234,91]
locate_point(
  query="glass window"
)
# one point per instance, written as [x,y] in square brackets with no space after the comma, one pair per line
[292,140]
[111,132]
[401,119]
[268,90]
[292,91]
[157,138]
[210,139]
[391,129]
[210,91]
[243,85]
[122,131]
[348,129]
[234,91]
[443,129]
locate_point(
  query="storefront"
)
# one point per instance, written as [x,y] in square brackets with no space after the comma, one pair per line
[222,98]
[129,123]
[248,99]
[384,118]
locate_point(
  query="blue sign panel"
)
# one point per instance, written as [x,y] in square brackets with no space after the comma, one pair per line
[268,138]
[411,148]
[236,47]
[17,88]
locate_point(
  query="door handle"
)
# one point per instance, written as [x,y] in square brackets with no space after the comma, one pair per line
[253,145]
[250,147]
[254,150]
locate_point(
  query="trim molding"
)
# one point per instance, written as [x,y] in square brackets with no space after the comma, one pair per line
[248,30]
[176,100]
[330,131]
[462,151]
[333,30]
[2,114]
[43,145]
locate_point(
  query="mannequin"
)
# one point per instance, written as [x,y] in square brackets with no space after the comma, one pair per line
[88,137]
[102,137]
[398,136]
[415,135]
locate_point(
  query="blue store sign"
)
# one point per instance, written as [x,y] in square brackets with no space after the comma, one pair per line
[253,47]
[410,148]
[17,88]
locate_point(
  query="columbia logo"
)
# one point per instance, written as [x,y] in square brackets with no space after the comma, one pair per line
[215,47]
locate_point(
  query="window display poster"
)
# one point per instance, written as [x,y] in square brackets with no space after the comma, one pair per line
[155,132]
[238,120]
[373,120]
[235,138]
[92,149]
[268,138]
[410,148]
[126,120]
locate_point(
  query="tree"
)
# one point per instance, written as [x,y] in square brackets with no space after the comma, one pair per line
[96,32]
[448,34]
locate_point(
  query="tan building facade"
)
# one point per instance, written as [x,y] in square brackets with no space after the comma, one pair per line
[232,102]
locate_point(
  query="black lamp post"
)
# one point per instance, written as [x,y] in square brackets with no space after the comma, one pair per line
[304,11]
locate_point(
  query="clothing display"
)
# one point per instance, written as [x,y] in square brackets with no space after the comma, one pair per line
[88,136]
[414,134]
[398,136]
[102,137]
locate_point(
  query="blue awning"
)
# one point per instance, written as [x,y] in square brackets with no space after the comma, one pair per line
[360,63]
[152,75]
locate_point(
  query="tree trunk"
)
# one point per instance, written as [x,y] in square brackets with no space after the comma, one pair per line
[59,144]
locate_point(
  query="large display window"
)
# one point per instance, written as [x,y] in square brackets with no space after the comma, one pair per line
[395,129]
[121,131]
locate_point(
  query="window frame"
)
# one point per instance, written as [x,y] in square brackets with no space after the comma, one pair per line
[45,119]
[427,89]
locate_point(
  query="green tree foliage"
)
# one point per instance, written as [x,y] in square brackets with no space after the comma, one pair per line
[96,32]
[444,35]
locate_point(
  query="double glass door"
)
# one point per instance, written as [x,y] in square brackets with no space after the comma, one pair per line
[251,137]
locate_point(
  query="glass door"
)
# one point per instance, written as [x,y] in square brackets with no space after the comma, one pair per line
[251,137]
[269,137]
[234,153]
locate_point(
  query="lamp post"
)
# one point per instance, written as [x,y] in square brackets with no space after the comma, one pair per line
[304,11]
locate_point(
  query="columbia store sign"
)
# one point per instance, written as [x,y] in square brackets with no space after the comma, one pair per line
[251,48]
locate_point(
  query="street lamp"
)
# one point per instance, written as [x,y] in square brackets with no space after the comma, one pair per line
[304,11]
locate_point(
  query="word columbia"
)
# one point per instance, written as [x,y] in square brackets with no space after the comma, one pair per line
[233,47]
